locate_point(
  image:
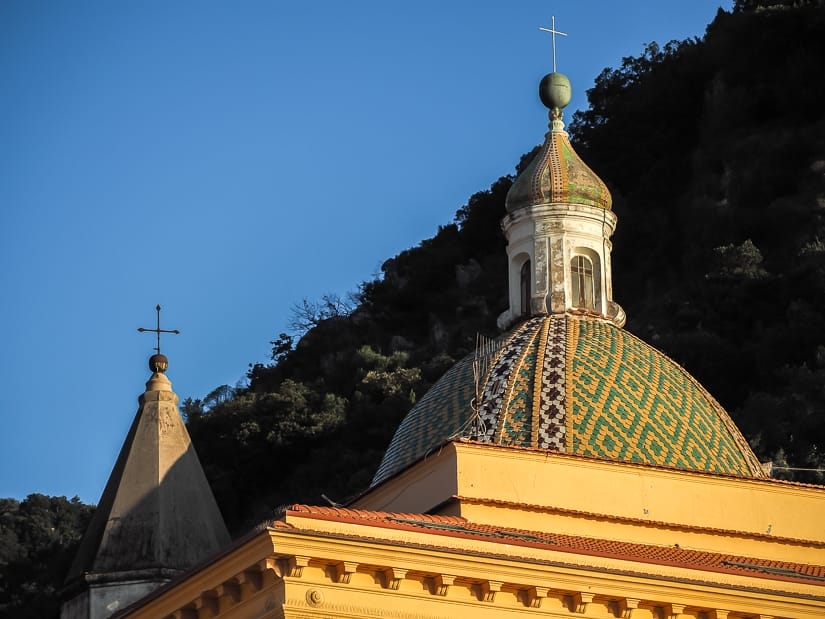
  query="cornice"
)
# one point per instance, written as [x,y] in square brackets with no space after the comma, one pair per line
[308,568]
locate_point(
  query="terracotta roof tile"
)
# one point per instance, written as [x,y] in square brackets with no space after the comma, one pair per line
[456,526]
[364,514]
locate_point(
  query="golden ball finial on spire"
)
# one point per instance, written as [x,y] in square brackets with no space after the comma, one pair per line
[158,363]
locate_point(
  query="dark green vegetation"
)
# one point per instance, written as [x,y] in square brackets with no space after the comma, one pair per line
[38,539]
[714,151]
[318,419]
[720,191]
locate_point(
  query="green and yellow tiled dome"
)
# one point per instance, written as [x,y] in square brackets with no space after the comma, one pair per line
[580,385]
[557,175]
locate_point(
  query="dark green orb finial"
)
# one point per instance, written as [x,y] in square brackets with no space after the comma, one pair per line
[158,363]
[554,90]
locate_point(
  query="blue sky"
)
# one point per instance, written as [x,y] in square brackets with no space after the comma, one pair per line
[227,160]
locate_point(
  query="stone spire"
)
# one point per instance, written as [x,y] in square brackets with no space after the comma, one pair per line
[157,516]
[558,227]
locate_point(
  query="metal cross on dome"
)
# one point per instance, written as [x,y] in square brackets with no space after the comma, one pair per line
[553,32]
[158,330]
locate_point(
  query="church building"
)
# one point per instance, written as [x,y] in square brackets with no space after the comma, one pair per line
[566,469]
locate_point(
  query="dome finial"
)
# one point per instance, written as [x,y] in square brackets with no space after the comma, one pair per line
[555,93]
[158,362]
[558,225]
[554,89]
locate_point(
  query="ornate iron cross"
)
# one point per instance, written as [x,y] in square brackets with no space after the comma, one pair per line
[158,330]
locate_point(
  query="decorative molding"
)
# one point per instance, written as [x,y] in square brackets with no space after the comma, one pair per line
[293,566]
[293,608]
[533,596]
[211,602]
[272,565]
[251,578]
[627,606]
[314,597]
[231,590]
[208,601]
[548,227]
[579,601]
[344,571]
[442,583]
[393,577]
[488,589]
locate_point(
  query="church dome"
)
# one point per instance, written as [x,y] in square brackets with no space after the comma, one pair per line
[557,174]
[576,384]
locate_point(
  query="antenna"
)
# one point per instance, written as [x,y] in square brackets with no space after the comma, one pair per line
[553,32]
[485,352]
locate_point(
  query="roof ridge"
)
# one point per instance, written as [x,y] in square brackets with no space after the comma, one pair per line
[366,514]
[642,521]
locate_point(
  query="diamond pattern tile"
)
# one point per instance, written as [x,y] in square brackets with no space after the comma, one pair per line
[581,385]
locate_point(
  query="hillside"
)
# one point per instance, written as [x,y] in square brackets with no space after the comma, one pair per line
[714,150]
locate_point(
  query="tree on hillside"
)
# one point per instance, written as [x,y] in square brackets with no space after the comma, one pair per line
[38,540]
[720,263]
[717,177]
[757,5]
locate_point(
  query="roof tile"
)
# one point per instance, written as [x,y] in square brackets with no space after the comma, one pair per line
[459,527]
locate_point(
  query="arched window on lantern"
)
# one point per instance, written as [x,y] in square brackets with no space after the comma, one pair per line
[583,283]
[524,288]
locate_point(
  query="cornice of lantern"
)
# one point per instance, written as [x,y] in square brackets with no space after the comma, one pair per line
[561,211]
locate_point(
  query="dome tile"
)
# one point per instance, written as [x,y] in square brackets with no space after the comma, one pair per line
[557,175]
[581,385]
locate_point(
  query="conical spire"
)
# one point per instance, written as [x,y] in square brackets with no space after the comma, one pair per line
[157,516]
[558,227]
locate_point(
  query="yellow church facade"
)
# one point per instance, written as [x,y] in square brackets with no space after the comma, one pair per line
[566,469]
[612,539]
